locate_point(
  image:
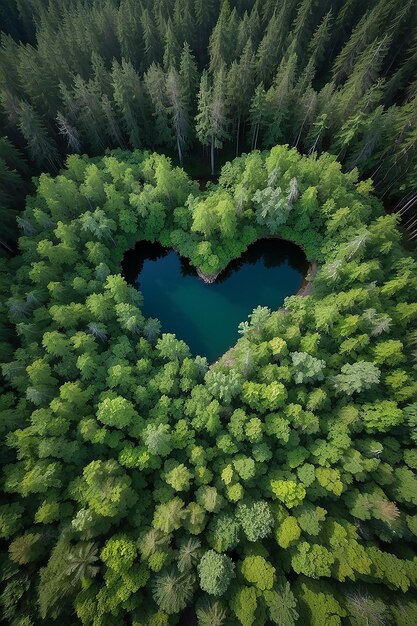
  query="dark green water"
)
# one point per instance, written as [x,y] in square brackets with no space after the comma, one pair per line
[207,316]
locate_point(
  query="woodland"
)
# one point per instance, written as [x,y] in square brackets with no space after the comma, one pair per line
[140,484]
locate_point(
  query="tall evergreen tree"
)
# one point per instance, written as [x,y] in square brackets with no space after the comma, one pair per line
[204,11]
[179,111]
[278,99]
[219,113]
[69,132]
[41,146]
[269,53]
[185,23]
[189,76]
[362,77]
[308,14]
[319,41]
[87,102]
[128,93]
[212,120]
[203,117]
[257,114]
[368,28]
[112,125]
[129,31]
[223,38]
[13,171]
[155,83]
[151,41]
[249,30]
[172,49]
[240,87]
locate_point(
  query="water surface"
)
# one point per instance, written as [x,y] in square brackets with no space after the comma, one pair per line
[205,316]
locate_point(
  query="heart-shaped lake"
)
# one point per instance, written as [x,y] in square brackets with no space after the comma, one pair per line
[206,316]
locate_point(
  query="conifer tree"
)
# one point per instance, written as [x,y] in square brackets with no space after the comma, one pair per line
[41,146]
[361,79]
[172,47]
[249,30]
[212,117]
[319,41]
[240,87]
[155,83]
[151,41]
[69,132]
[179,111]
[129,31]
[203,117]
[87,103]
[130,99]
[302,27]
[257,114]
[184,23]
[269,53]
[222,43]
[204,11]
[364,33]
[12,189]
[278,99]
[111,122]
[189,78]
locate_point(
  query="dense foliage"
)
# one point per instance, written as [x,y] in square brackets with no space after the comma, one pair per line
[175,75]
[277,485]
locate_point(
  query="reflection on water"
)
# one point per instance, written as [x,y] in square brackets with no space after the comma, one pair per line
[207,316]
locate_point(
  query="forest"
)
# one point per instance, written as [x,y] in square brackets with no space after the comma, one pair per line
[140,484]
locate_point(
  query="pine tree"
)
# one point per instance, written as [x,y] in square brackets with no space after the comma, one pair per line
[129,31]
[399,153]
[155,83]
[10,105]
[203,117]
[9,52]
[189,78]
[128,93]
[270,49]
[212,117]
[69,132]
[367,29]
[240,86]
[204,11]
[348,132]
[185,23]
[219,113]
[319,41]
[257,114]
[87,103]
[278,99]
[305,114]
[151,42]
[113,129]
[302,28]
[363,76]
[12,190]
[100,75]
[249,30]
[315,133]
[221,40]
[42,148]
[37,80]
[172,48]
[179,111]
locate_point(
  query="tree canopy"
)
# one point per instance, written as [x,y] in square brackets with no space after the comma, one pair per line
[138,481]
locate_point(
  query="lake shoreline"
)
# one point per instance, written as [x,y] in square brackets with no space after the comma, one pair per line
[306,285]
